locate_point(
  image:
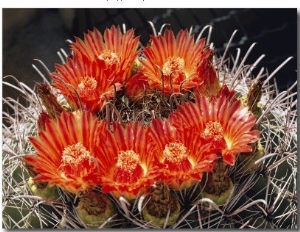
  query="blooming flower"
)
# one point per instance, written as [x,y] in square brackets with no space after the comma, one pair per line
[220,119]
[117,50]
[183,156]
[65,154]
[126,160]
[85,84]
[173,64]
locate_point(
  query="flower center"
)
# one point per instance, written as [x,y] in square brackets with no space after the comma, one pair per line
[87,86]
[175,152]
[176,157]
[213,130]
[109,57]
[128,160]
[128,168]
[75,158]
[173,64]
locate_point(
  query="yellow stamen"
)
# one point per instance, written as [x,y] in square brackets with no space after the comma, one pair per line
[173,64]
[75,154]
[109,57]
[213,129]
[175,152]
[87,86]
[128,160]
[74,158]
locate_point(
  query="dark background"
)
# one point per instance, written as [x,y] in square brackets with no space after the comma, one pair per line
[39,33]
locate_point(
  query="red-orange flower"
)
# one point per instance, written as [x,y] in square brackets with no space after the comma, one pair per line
[65,154]
[117,50]
[126,160]
[183,156]
[173,64]
[221,120]
[85,84]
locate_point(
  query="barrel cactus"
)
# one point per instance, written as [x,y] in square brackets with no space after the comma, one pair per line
[165,135]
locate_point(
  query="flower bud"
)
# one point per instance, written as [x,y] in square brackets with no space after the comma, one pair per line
[217,184]
[162,207]
[95,209]
[53,107]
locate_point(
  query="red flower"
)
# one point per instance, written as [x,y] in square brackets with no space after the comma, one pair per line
[183,156]
[117,50]
[126,160]
[173,64]
[221,120]
[85,84]
[65,154]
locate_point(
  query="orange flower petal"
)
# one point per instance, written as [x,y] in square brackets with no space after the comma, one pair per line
[137,87]
[174,64]
[220,119]
[85,83]
[126,160]
[183,156]
[65,153]
[117,50]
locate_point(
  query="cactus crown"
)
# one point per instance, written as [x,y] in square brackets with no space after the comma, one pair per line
[163,136]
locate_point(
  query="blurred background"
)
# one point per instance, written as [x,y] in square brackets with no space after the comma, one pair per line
[39,33]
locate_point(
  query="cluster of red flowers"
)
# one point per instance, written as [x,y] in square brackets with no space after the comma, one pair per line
[75,150]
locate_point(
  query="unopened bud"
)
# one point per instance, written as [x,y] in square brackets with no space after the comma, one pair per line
[162,207]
